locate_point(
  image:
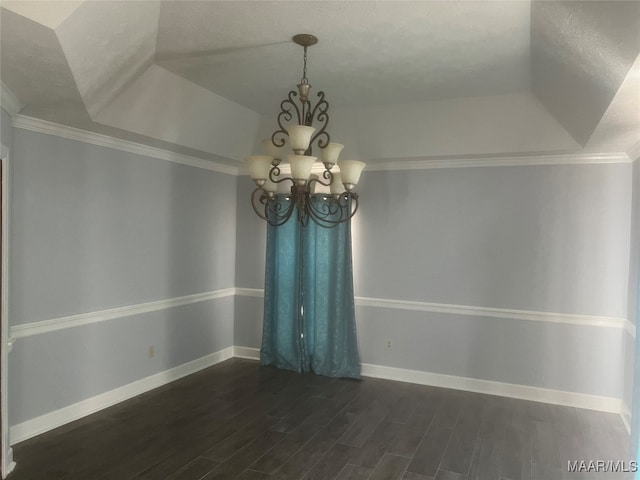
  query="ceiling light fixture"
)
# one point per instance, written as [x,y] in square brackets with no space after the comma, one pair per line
[324,209]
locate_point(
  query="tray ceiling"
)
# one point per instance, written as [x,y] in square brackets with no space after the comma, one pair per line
[109,66]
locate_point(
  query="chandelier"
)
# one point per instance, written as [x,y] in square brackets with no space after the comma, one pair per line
[296,130]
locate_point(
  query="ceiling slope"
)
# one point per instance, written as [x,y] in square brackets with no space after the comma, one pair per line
[107,46]
[33,66]
[580,54]
[619,127]
[49,13]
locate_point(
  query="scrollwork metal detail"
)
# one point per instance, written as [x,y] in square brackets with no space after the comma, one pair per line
[326,210]
[285,114]
[320,114]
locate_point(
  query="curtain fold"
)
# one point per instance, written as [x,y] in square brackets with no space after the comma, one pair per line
[309,312]
[329,310]
[281,331]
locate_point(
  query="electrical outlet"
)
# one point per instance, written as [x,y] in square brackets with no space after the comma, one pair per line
[152,351]
[388,344]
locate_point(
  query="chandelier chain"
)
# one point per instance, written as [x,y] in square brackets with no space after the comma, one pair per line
[304,69]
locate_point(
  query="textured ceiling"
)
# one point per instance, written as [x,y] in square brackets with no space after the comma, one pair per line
[581,53]
[368,53]
[165,72]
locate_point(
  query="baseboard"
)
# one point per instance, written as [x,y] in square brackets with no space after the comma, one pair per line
[57,418]
[49,421]
[9,465]
[625,415]
[248,353]
[523,392]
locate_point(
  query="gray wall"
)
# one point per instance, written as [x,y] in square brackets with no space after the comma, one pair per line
[95,228]
[251,234]
[543,238]
[540,238]
[634,275]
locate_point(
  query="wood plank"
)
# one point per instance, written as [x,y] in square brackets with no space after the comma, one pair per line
[391,467]
[353,472]
[323,427]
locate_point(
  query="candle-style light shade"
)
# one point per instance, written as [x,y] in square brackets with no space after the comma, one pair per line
[350,171]
[299,137]
[259,166]
[276,152]
[336,184]
[330,153]
[301,166]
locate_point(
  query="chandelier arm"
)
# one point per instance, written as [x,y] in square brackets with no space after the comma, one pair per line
[262,200]
[320,114]
[277,218]
[290,100]
[353,198]
[285,114]
[274,173]
[317,180]
[329,207]
[347,205]
[324,222]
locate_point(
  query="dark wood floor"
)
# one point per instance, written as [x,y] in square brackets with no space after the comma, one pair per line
[240,420]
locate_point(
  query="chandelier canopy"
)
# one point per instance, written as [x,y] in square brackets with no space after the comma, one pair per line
[296,131]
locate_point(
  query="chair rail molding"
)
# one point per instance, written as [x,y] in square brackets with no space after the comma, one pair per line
[61,323]
[475,311]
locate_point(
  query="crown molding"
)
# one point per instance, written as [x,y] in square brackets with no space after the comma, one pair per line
[9,101]
[512,161]
[50,128]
